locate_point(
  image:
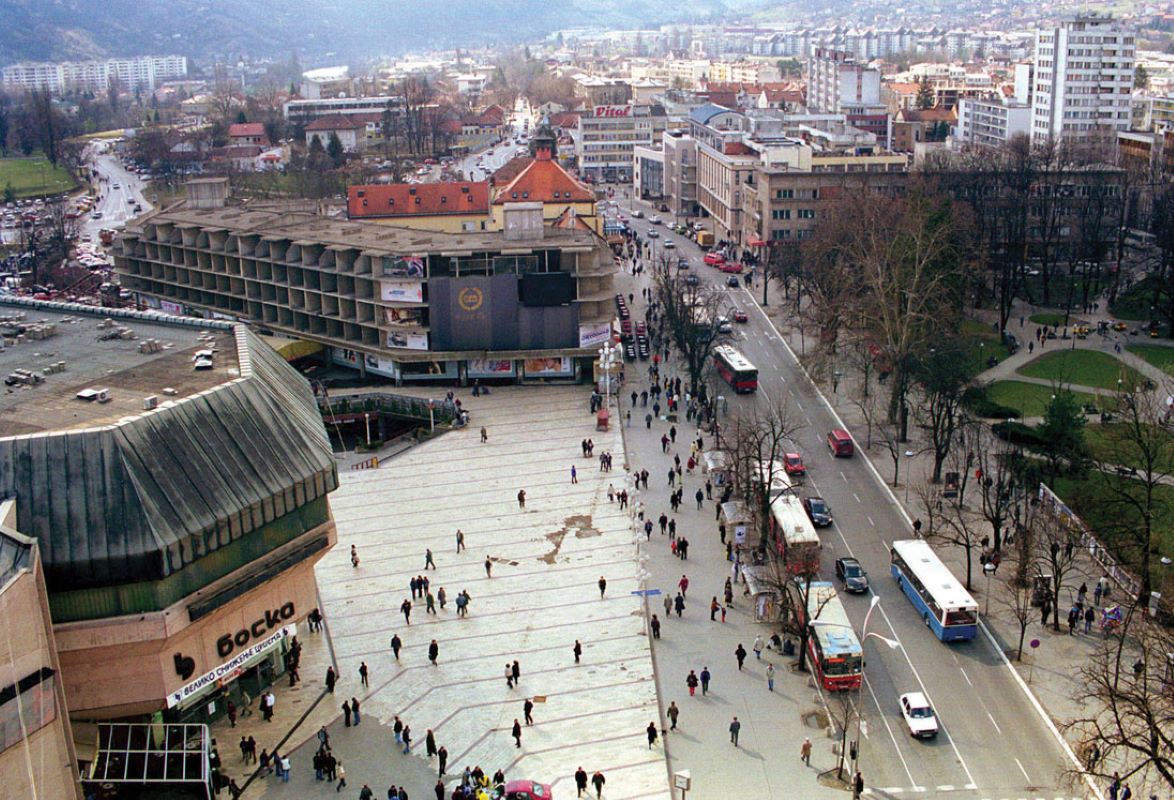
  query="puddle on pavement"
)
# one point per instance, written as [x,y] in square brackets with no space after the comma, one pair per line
[578,525]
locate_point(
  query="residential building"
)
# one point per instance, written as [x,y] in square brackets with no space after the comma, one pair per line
[680,173]
[838,84]
[247,133]
[597,91]
[305,111]
[143,73]
[991,122]
[529,301]
[721,173]
[450,207]
[351,132]
[544,181]
[176,580]
[913,126]
[648,173]
[1083,78]
[607,135]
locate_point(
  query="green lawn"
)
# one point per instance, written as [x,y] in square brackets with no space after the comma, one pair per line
[984,343]
[1032,398]
[1114,521]
[34,177]
[1134,303]
[1083,368]
[1051,320]
[1109,444]
[1161,357]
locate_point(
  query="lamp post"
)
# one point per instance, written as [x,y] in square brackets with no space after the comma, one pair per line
[836,375]
[988,569]
[864,635]
[908,454]
[607,360]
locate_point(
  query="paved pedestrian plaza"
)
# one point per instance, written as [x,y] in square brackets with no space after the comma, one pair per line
[541,595]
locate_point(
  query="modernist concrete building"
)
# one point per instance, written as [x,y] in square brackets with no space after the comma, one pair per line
[174,474]
[526,301]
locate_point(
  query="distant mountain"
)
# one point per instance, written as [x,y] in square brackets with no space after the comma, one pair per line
[206,30]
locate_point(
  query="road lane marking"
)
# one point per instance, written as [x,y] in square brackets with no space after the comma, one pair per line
[842,475]
[967,677]
[870,522]
[1026,777]
[856,496]
[999,730]
[884,718]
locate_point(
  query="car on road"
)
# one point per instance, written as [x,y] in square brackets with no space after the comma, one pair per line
[97,215]
[638,214]
[669,244]
[654,219]
[840,443]
[652,234]
[919,716]
[692,280]
[116,186]
[724,326]
[733,281]
[714,259]
[730,266]
[817,509]
[682,262]
[852,575]
[793,465]
[741,316]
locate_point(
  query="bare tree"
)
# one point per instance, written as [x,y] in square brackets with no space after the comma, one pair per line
[1017,600]
[955,526]
[693,318]
[943,375]
[1126,706]
[1055,550]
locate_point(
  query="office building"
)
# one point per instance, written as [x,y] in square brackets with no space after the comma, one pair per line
[1083,78]
[527,301]
[607,136]
[991,122]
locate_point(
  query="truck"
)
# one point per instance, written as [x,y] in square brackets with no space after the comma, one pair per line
[106,236]
[705,238]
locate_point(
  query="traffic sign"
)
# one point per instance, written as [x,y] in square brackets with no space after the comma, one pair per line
[646,592]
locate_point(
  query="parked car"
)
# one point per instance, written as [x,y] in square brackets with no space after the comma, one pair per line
[919,716]
[852,575]
[682,262]
[638,214]
[732,281]
[793,465]
[741,316]
[692,280]
[654,219]
[669,244]
[840,443]
[730,266]
[714,259]
[817,509]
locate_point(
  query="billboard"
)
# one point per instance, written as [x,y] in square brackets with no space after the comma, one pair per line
[594,335]
[548,367]
[404,317]
[613,111]
[490,368]
[484,313]
[401,291]
[405,266]
[407,341]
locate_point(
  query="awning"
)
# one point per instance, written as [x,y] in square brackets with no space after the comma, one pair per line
[292,349]
[756,243]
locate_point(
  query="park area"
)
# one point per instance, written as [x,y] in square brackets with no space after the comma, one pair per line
[1083,368]
[1157,355]
[33,177]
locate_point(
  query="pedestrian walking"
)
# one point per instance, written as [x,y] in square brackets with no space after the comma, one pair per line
[484,435]
[346,713]
[597,780]
[430,743]
[735,729]
[428,561]
[857,786]
[398,729]
[517,734]
[442,755]
[651,731]
[509,676]
[740,654]
[673,712]
[355,711]
[396,644]
[340,772]
[521,498]
[700,497]
[770,677]
[580,781]
[441,597]
[602,586]
[679,604]
[691,681]
[1089,617]
[714,607]
[528,711]
[655,625]
[354,557]
[516,672]
[331,679]
[488,567]
[363,673]
[407,734]
[705,677]
[574,474]
[406,609]
[683,585]
[757,648]
[433,652]
[460,540]
[805,752]
[231,714]
[578,651]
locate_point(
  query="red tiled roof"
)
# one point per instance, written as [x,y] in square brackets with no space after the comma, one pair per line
[417,199]
[564,119]
[511,169]
[494,115]
[544,181]
[337,122]
[241,129]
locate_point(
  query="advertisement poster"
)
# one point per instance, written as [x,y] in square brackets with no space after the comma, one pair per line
[381,366]
[404,317]
[402,291]
[171,308]
[406,266]
[594,335]
[540,367]
[407,341]
[491,367]
[348,358]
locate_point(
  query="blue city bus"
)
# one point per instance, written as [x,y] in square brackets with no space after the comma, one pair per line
[947,608]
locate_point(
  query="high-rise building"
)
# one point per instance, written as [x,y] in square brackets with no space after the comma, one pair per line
[132,74]
[1083,77]
[838,84]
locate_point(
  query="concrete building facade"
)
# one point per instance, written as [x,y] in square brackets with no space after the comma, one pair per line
[132,74]
[991,122]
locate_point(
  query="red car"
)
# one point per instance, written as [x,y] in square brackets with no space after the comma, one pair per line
[793,465]
[714,259]
[641,328]
[740,316]
[731,266]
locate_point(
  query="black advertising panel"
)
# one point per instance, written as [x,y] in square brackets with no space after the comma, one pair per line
[547,289]
[474,313]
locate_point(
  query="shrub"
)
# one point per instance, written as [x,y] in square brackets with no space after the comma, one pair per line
[975,398]
[1018,433]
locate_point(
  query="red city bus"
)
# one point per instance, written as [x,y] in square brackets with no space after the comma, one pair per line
[794,535]
[832,645]
[735,369]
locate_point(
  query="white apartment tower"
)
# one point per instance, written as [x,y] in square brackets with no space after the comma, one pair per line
[838,84]
[1083,78]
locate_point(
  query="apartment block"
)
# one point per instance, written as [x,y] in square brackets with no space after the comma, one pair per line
[132,74]
[1083,78]
[606,138]
[837,84]
[991,122]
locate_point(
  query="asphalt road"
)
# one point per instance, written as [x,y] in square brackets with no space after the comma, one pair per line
[116,204]
[993,743]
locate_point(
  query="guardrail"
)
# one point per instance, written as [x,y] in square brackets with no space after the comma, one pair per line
[439,412]
[370,463]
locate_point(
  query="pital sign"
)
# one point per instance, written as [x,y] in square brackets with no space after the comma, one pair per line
[613,111]
[229,669]
[226,643]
